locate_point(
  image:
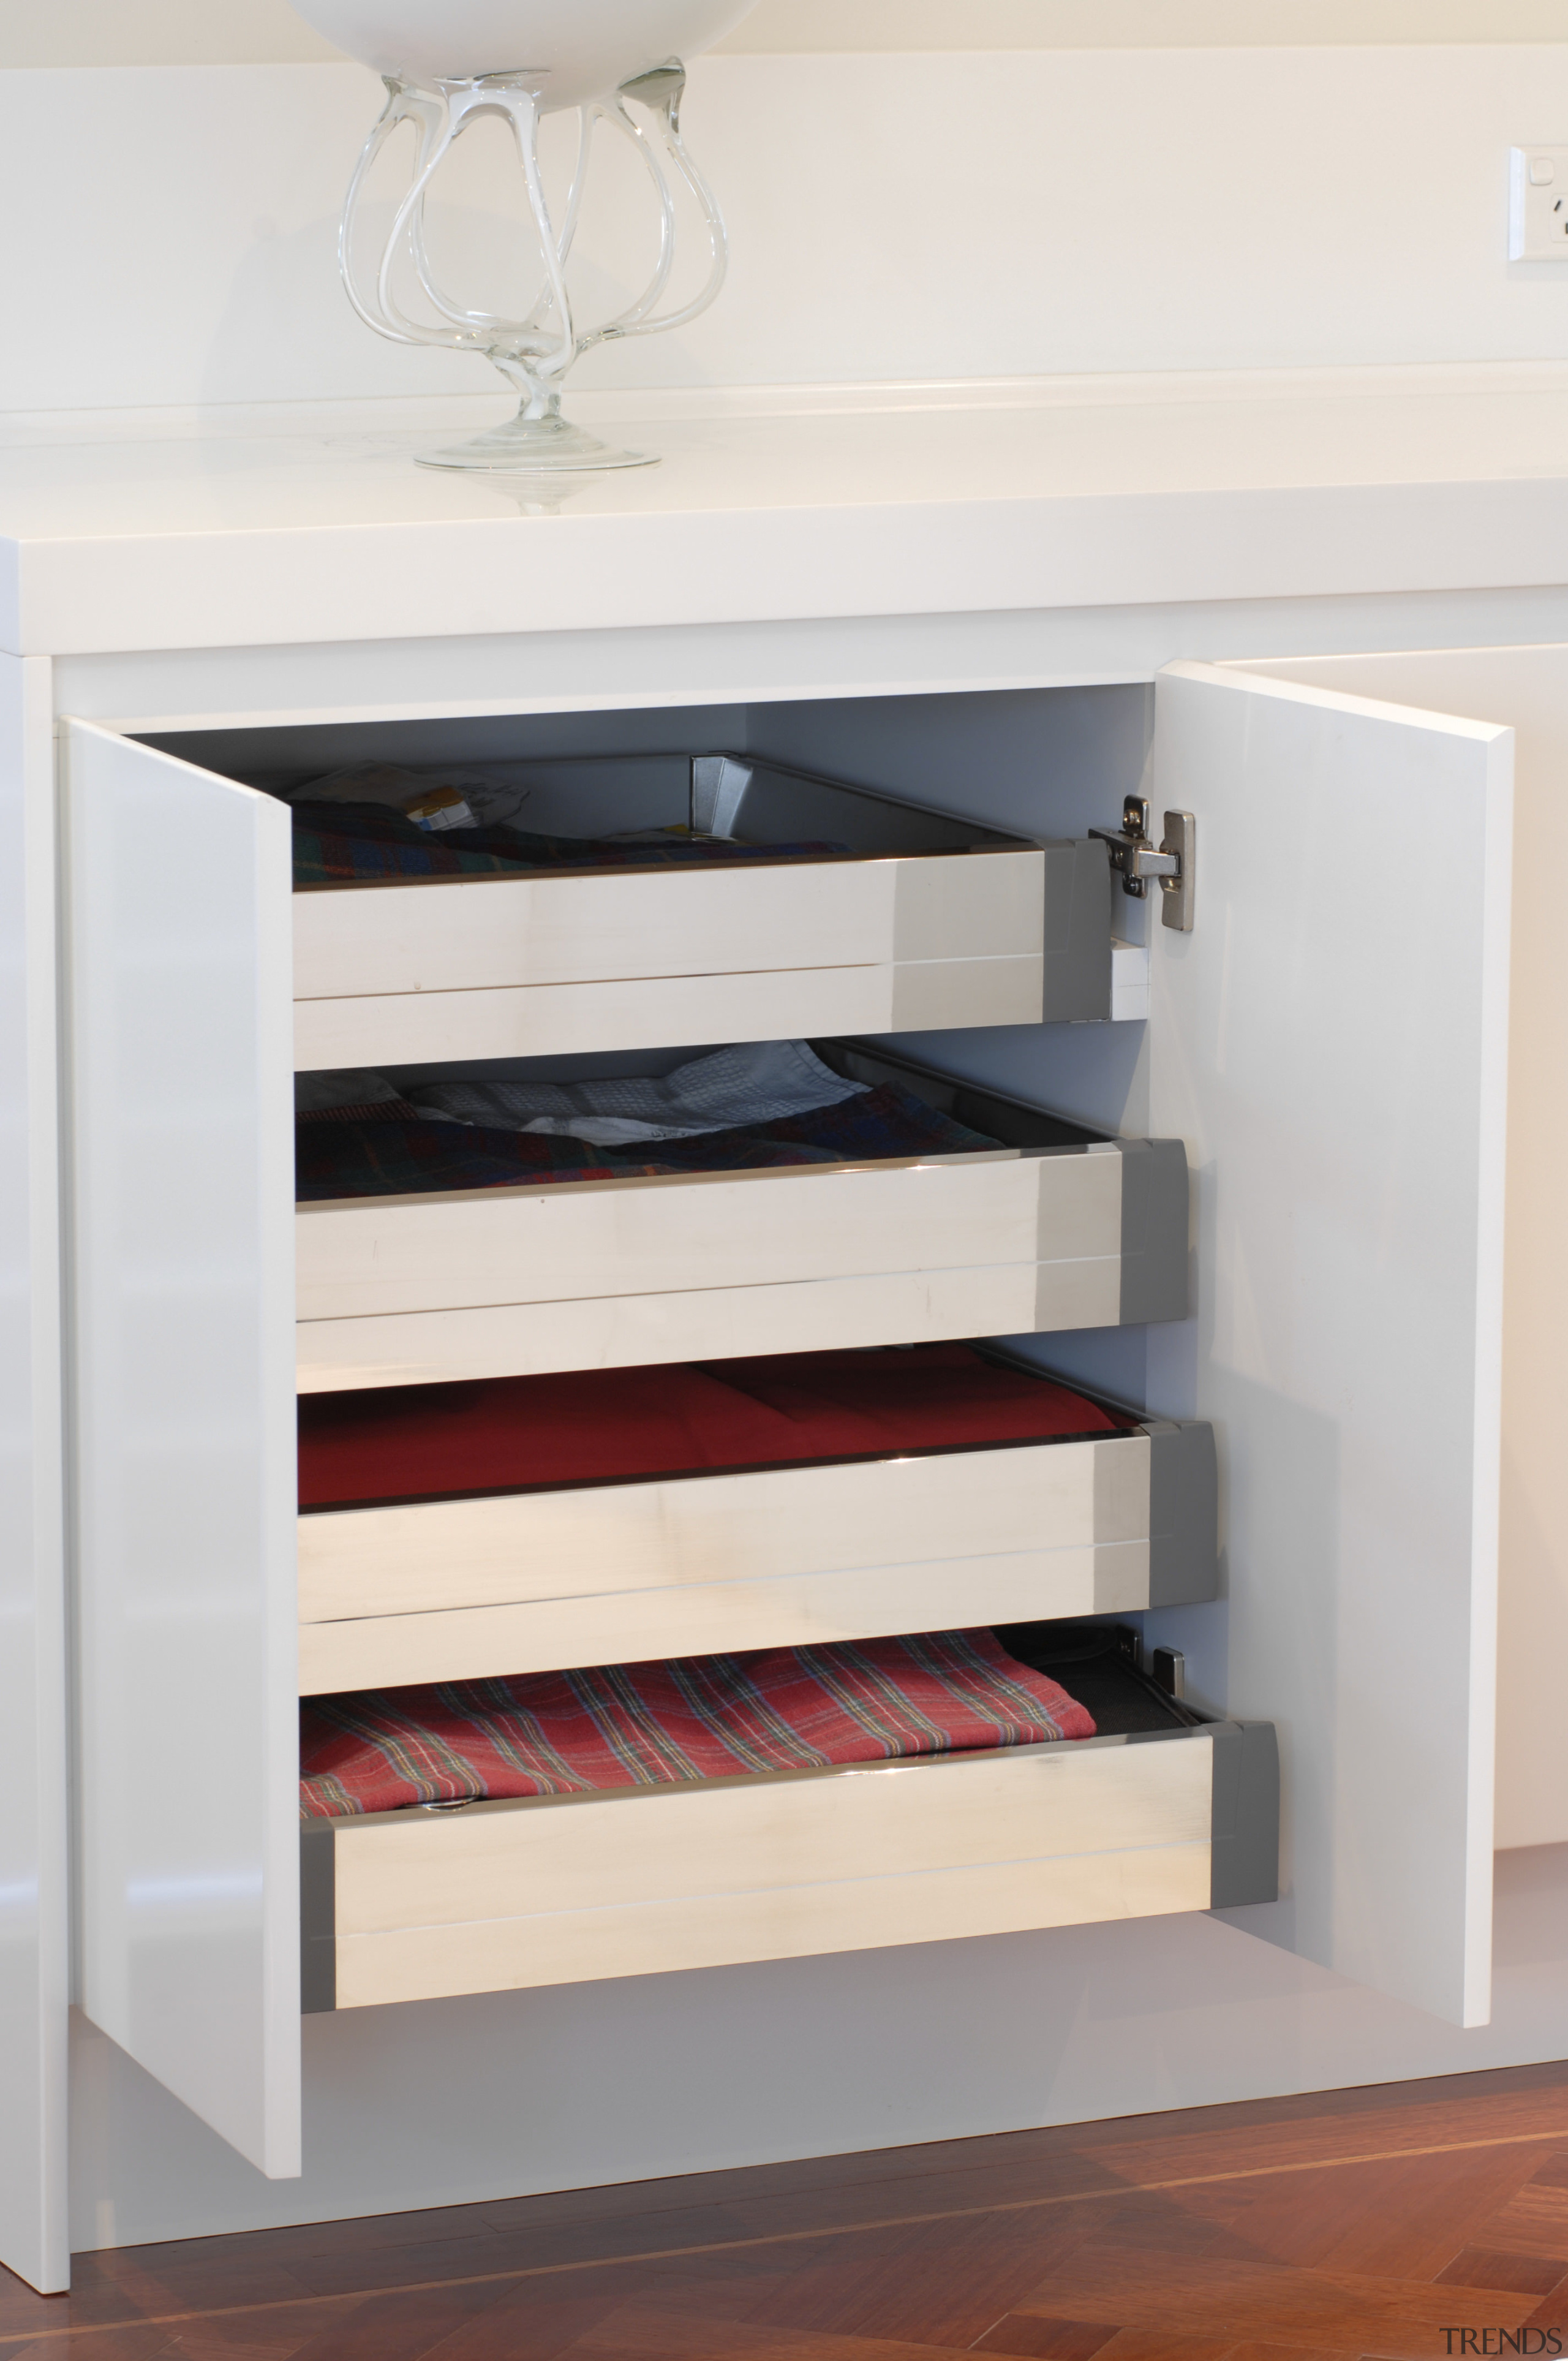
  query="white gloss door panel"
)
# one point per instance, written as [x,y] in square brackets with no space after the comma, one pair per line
[1331,1041]
[695,1565]
[181,1228]
[34,1847]
[1527,688]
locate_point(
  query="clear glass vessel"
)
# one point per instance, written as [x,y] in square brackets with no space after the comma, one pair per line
[449,63]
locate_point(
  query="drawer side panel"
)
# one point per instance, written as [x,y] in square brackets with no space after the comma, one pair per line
[939,1906]
[713,1323]
[716,1529]
[665,1012]
[485,933]
[496,933]
[870,1822]
[713,1618]
[566,1241]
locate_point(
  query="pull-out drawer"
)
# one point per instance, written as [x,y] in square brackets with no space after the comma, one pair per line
[1058,1228]
[916,923]
[415,1905]
[702,1565]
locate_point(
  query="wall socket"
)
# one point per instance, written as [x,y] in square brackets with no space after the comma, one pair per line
[1538,205]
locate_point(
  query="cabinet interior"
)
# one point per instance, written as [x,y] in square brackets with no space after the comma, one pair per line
[1032,763]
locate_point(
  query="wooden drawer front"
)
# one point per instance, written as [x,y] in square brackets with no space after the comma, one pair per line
[569,1889]
[664,1012]
[711,1618]
[609,1273]
[373,1256]
[504,967]
[918,1307]
[453,1590]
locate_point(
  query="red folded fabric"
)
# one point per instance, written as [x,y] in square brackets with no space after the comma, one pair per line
[702,1718]
[605,1426]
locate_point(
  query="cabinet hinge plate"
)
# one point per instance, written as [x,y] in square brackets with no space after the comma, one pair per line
[1136,859]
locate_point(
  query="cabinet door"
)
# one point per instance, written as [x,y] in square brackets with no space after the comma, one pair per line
[1331,1041]
[1528,688]
[182,1241]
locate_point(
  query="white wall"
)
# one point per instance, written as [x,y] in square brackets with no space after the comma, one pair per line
[1034,249]
[1137,24]
[221,32]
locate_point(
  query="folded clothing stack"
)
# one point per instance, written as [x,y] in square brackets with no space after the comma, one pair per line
[761,1104]
[620,1426]
[698,1718]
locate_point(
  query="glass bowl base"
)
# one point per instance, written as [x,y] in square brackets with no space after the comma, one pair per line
[537,446]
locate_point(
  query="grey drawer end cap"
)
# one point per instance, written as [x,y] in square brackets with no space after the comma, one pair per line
[1184,1513]
[1246,1833]
[318,1918]
[1156,1198]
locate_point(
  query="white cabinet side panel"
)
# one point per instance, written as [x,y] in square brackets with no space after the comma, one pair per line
[1341,1085]
[182,1284]
[1527,688]
[33,1853]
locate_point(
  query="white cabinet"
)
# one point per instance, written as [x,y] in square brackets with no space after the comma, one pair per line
[1330,1044]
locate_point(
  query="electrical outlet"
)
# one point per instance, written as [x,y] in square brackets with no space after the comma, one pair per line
[1538,205]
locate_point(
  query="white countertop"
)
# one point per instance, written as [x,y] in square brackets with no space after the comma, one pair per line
[258,527]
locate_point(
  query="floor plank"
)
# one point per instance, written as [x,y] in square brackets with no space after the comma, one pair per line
[647,2332]
[1274,2303]
[1353,2226]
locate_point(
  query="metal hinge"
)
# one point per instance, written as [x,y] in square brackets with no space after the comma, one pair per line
[1136,858]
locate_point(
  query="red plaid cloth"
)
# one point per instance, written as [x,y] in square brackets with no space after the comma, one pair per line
[611,1426]
[703,1718]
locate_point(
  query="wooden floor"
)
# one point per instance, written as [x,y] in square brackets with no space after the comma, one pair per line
[1376,2221]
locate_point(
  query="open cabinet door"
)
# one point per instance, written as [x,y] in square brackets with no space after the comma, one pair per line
[182,1277]
[1331,1041]
[1528,688]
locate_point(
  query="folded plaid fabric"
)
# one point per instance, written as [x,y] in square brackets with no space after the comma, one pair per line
[700,1718]
[372,1155]
[352,844]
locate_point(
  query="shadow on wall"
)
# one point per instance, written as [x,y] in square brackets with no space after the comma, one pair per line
[287,331]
